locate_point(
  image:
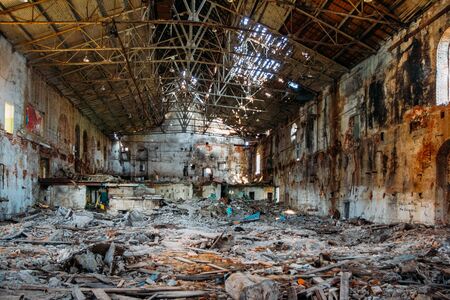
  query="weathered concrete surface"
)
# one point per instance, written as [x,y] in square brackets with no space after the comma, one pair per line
[44,128]
[368,147]
[260,192]
[175,191]
[70,196]
[132,196]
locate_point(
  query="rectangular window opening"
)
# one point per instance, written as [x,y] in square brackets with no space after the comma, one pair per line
[44,166]
[258,164]
[9,117]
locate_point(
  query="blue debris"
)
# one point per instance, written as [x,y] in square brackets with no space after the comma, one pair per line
[229,211]
[153,278]
[254,217]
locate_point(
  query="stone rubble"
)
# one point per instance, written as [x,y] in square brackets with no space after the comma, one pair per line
[193,249]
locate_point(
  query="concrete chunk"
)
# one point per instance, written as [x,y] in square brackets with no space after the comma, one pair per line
[241,286]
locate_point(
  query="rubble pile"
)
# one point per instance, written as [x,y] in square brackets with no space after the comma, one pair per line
[179,251]
[238,208]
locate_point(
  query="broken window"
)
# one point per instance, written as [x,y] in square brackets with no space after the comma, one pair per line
[258,164]
[252,195]
[9,117]
[294,129]
[443,70]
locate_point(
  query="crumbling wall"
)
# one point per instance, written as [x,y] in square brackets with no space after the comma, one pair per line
[368,146]
[174,191]
[171,156]
[42,141]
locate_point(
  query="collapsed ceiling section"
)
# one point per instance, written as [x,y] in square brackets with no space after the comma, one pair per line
[130,64]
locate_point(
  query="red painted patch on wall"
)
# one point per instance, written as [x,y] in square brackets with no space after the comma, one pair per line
[34,121]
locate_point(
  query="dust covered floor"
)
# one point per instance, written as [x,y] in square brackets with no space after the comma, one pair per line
[192,249]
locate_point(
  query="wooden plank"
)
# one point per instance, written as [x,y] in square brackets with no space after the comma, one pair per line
[121,282]
[77,293]
[181,294]
[198,277]
[326,268]
[420,28]
[320,294]
[203,250]
[107,290]
[122,297]
[185,260]
[100,294]
[343,293]
[37,242]
[217,267]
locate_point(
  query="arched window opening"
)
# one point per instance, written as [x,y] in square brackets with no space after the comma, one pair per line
[258,164]
[85,142]
[443,70]
[63,130]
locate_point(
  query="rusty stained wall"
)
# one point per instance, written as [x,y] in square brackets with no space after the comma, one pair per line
[61,119]
[162,157]
[20,152]
[368,147]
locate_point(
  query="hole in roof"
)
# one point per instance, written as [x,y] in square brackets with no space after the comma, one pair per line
[254,47]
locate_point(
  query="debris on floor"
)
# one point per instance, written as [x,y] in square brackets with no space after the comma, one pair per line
[183,250]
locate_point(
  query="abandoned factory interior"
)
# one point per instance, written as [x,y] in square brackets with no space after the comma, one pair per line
[225,149]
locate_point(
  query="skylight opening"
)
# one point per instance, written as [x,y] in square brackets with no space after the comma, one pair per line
[253,49]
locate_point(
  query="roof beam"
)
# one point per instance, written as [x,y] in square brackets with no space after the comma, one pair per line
[68,29]
[15,8]
[337,30]
[15,19]
[312,52]
[66,83]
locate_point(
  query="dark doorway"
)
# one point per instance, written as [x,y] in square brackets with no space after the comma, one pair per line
[443,183]
[77,149]
[347,210]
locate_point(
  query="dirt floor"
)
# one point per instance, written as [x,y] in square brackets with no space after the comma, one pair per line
[193,249]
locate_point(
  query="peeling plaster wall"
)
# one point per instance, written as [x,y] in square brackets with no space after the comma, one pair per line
[47,132]
[163,157]
[175,191]
[368,147]
[260,192]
